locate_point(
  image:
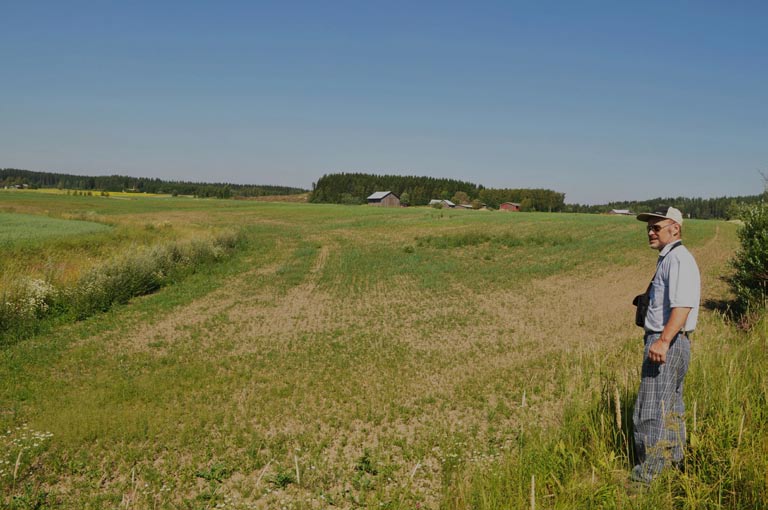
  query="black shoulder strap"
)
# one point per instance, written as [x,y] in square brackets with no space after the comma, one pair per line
[661,259]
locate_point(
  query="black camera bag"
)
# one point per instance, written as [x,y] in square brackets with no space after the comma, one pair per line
[642,301]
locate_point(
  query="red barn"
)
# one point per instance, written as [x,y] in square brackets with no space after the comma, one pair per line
[509,206]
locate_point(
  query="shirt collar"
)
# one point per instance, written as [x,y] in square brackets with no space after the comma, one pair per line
[668,247]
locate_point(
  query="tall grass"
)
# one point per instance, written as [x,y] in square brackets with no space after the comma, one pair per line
[135,273]
[585,462]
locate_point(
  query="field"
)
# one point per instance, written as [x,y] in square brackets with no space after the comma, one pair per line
[349,357]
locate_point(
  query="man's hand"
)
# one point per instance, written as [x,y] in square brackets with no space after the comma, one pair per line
[658,351]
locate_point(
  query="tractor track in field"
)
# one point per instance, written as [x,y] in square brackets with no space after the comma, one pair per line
[245,303]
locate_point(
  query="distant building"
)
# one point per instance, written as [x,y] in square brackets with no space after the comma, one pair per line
[444,203]
[509,206]
[472,207]
[625,212]
[384,199]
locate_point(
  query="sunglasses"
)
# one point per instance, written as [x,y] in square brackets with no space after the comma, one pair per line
[659,228]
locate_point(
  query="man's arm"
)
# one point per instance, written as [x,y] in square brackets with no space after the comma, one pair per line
[658,351]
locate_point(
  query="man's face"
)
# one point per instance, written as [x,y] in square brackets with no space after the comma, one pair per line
[661,232]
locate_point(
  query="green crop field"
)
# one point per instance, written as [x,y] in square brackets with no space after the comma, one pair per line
[27,228]
[357,357]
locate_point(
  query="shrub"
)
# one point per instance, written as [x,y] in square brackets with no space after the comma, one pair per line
[749,281]
[116,282]
[349,199]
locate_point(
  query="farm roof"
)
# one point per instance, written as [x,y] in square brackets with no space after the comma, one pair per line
[379,195]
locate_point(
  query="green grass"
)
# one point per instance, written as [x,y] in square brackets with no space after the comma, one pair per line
[584,463]
[16,229]
[384,355]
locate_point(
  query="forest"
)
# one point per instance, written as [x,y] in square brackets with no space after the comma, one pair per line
[727,208]
[13,177]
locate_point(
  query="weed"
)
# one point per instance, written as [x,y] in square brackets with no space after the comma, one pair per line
[32,498]
[215,473]
[365,464]
[282,478]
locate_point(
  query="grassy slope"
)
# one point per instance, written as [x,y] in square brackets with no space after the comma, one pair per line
[381,354]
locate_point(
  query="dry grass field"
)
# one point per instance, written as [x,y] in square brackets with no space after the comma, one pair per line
[347,357]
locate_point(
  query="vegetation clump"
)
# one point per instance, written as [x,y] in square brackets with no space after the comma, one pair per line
[749,281]
[132,274]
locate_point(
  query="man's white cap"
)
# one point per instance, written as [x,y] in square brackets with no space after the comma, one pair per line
[669,213]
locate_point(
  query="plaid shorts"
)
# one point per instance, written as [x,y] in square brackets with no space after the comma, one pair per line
[659,424]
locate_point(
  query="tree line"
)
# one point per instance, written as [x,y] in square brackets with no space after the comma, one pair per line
[702,208]
[530,199]
[14,177]
[354,188]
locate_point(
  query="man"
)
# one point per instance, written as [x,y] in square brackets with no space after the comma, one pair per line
[672,313]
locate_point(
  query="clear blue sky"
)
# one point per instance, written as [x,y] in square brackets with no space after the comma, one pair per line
[599,100]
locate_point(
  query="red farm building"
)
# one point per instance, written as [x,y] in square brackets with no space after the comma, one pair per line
[509,206]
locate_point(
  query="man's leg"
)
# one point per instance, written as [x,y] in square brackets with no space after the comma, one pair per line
[658,415]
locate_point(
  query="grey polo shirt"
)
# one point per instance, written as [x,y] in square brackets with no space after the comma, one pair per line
[677,284]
